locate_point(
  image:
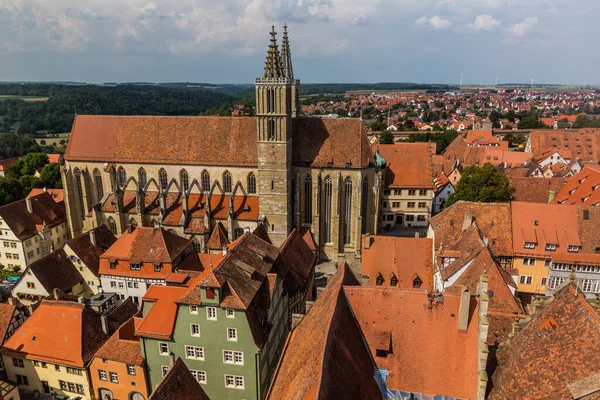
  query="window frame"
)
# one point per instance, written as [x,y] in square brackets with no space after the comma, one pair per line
[234,337]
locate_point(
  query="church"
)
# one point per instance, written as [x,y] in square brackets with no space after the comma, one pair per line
[192,174]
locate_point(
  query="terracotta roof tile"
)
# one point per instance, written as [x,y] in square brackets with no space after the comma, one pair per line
[428,353]
[553,353]
[402,257]
[295,262]
[408,165]
[159,321]
[535,190]
[25,224]
[582,143]
[123,346]
[218,238]
[326,357]
[57,194]
[88,253]
[6,315]
[55,271]
[581,189]
[179,384]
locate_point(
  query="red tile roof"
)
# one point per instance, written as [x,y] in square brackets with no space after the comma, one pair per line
[90,254]
[59,332]
[123,346]
[581,189]
[7,311]
[553,355]
[427,353]
[54,271]
[218,238]
[326,356]
[535,190]
[159,322]
[408,165]
[582,143]
[179,384]
[405,259]
[25,224]
[57,194]
[212,141]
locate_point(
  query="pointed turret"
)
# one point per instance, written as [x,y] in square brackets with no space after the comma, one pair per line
[273,64]
[286,55]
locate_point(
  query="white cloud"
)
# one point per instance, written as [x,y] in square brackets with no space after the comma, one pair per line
[436,23]
[520,29]
[484,22]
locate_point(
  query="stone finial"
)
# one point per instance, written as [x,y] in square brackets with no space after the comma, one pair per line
[286,55]
[273,63]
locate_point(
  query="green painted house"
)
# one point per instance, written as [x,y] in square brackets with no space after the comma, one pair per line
[228,325]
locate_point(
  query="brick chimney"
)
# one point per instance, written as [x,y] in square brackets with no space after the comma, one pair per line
[467,220]
[29,205]
[463,310]
[367,241]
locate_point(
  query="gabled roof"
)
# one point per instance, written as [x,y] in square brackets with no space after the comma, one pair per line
[123,346]
[7,311]
[551,356]
[503,305]
[54,271]
[326,356]
[88,253]
[25,224]
[582,143]
[493,220]
[159,321]
[408,165]
[57,194]
[580,189]
[429,355]
[60,332]
[179,384]
[218,238]
[212,141]
[535,190]
[403,257]
[295,261]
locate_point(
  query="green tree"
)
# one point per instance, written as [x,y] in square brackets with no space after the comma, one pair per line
[582,121]
[531,121]
[28,164]
[49,177]
[386,137]
[481,184]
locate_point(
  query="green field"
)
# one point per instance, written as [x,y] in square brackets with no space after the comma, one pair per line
[25,98]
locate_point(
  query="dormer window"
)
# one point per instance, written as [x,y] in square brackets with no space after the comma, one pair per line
[135,267]
[394,282]
[529,245]
[550,247]
[113,264]
[379,281]
[417,282]
[157,267]
[210,293]
[573,249]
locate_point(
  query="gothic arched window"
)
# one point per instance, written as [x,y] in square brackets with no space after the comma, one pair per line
[327,208]
[98,183]
[270,100]
[142,179]
[227,182]
[251,183]
[347,210]
[184,179]
[79,184]
[271,129]
[162,179]
[363,203]
[205,178]
[121,177]
[112,225]
[307,199]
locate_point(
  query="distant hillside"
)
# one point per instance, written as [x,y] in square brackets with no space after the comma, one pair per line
[314,88]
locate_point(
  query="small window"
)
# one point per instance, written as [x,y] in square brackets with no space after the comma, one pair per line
[131,369]
[417,283]
[232,334]
[211,313]
[381,353]
[234,381]
[114,377]
[165,370]
[230,313]
[102,375]
[529,245]
[135,267]
[30,285]
[379,281]
[157,267]
[113,264]
[393,282]
[163,349]
[550,247]
[195,329]
[193,309]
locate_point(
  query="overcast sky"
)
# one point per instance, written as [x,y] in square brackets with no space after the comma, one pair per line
[225,41]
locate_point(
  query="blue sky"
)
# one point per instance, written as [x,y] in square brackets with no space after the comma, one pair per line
[224,41]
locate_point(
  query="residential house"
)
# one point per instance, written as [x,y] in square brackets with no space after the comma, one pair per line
[179,383]
[4,164]
[397,262]
[117,371]
[478,138]
[407,184]
[417,337]
[55,271]
[326,356]
[442,189]
[554,356]
[581,143]
[30,229]
[85,250]
[140,257]
[229,325]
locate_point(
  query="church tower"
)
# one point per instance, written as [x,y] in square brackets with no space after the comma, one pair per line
[274,100]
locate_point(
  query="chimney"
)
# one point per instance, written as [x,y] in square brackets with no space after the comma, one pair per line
[171,359]
[104,323]
[551,195]
[45,189]
[467,221]
[55,293]
[29,205]
[367,241]
[93,237]
[463,310]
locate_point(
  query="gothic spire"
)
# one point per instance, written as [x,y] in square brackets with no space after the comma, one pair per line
[273,64]
[286,55]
